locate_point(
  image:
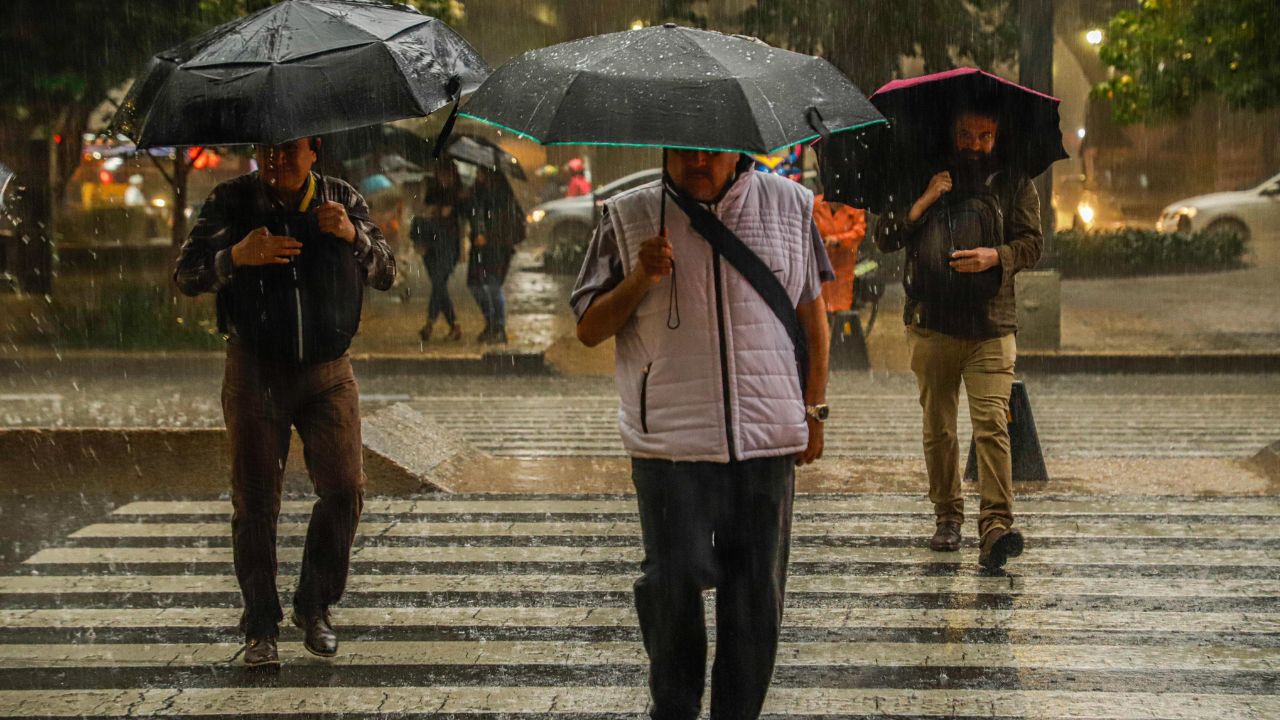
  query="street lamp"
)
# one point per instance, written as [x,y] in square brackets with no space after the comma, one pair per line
[1093,37]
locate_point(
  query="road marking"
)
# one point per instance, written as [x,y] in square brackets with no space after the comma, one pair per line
[877,702]
[907,527]
[854,585]
[614,617]
[909,556]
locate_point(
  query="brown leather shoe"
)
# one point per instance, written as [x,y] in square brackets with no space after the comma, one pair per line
[998,545]
[946,538]
[319,639]
[260,652]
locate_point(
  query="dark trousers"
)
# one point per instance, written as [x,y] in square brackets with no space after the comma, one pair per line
[440,302]
[712,525]
[492,301]
[261,402]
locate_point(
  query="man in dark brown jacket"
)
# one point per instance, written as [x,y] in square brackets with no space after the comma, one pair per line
[975,343]
[289,253]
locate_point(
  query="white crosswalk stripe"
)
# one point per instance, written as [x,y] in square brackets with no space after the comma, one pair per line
[1169,426]
[477,606]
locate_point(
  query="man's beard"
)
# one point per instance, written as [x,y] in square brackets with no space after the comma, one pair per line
[970,170]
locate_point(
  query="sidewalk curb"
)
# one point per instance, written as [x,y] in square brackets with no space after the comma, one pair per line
[520,363]
[1148,363]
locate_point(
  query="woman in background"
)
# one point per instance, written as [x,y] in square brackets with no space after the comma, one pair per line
[436,231]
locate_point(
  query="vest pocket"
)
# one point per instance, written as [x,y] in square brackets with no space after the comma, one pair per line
[644,395]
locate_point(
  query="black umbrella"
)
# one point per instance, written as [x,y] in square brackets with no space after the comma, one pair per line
[876,167]
[478,151]
[299,68]
[670,86]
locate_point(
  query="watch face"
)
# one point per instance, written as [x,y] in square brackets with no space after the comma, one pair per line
[823,411]
[818,412]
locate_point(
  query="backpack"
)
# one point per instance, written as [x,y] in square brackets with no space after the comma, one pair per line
[955,223]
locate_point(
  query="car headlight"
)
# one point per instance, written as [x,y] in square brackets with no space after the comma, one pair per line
[536,216]
[1086,213]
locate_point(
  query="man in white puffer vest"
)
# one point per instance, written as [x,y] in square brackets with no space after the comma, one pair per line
[712,413]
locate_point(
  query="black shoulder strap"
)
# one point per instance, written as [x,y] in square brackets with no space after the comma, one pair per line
[724,242]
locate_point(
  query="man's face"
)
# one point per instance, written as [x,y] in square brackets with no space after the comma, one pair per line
[699,173]
[285,167]
[975,135]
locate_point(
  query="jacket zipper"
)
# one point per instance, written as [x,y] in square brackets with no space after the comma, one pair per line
[644,395]
[724,358]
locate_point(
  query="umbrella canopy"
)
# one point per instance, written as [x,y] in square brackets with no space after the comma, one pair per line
[879,166]
[477,151]
[670,86]
[299,68]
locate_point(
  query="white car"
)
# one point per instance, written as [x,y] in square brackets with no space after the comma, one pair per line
[1247,213]
[567,220]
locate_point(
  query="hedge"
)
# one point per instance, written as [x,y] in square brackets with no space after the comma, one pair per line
[1135,251]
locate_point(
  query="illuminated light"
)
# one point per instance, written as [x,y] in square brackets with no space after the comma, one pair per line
[158,202]
[1093,37]
[1080,133]
[1086,213]
[104,177]
[537,215]
[637,24]
[57,138]
[1187,211]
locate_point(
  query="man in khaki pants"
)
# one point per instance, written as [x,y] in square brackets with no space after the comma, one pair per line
[950,342]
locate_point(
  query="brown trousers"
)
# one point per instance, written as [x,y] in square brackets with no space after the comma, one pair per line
[940,362]
[261,403]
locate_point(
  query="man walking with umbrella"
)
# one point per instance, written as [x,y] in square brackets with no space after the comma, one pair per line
[288,253]
[713,414]
[710,282]
[971,230]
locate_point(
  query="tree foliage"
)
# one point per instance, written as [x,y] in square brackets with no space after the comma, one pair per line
[866,39]
[1168,54]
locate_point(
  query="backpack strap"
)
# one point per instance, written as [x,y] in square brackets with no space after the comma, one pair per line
[725,243]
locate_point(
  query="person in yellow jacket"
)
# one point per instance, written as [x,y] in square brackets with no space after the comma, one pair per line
[842,228]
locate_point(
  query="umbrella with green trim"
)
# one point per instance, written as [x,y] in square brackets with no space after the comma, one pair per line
[671,87]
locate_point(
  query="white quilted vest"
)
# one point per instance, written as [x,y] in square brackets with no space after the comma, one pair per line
[671,382]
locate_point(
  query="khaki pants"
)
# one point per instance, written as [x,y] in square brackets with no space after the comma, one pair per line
[940,362]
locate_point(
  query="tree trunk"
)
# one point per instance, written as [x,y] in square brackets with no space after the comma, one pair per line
[32,262]
[1035,70]
[181,172]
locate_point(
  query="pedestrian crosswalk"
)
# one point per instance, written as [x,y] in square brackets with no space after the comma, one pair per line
[520,606]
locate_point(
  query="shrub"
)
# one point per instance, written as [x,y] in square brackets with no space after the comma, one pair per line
[1135,251]
[137,317]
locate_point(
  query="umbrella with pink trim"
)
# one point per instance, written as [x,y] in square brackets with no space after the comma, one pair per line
[879,167]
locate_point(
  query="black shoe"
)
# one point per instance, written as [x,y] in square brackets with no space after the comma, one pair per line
[319,637]
[497,337]
[946,538]
[998,545]
[260,652]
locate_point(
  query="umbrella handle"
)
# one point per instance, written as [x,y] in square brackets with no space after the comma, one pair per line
[454,88]
[673,299]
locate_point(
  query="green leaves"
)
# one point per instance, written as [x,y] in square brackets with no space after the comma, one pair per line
[1169,54]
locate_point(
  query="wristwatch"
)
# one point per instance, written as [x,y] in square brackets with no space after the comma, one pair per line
[818,412]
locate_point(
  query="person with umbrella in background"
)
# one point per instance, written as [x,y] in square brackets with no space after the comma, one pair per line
[496,223]
[709,281]
[288,252]
[436,231]
[968,231]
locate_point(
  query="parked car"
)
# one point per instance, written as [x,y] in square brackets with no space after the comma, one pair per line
[566,221]
[1247,213]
